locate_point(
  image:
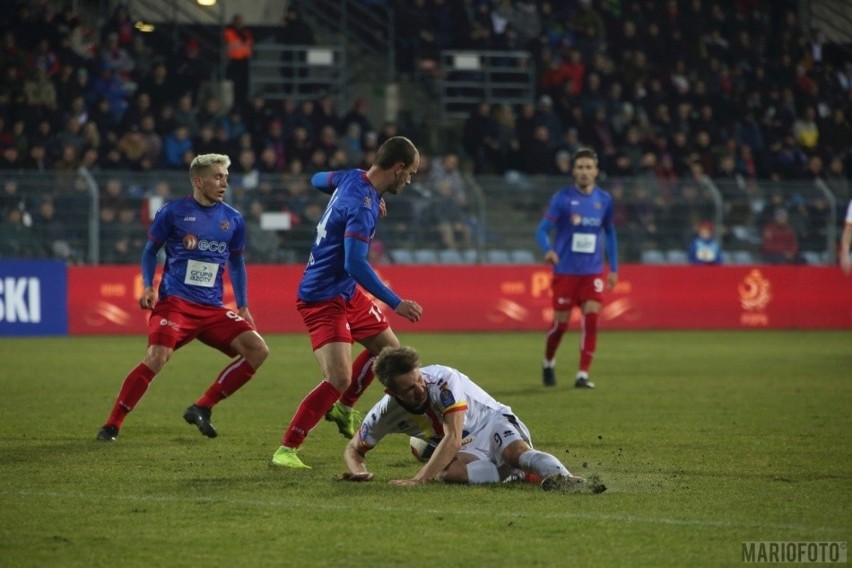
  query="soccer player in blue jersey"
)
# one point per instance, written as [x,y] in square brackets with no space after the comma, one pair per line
[335,309]
[202,235]
[582,217]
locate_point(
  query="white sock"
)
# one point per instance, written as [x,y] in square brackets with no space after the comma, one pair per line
[482,471]
[548,364]
[582,375]
[542,463]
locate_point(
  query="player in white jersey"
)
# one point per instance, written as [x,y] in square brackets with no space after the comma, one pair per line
[479,440]
[846,242]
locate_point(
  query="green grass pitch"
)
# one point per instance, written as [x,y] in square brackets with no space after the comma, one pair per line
[705,440]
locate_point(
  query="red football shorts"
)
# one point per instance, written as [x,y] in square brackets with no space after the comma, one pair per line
[337,320]
[174,322]
[570,290]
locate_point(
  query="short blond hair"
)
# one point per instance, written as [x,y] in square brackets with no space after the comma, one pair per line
[204,161]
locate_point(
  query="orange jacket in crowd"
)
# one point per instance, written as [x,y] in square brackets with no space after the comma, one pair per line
[239,41]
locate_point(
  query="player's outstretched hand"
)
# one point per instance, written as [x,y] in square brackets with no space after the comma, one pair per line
[349,476]
[410,310]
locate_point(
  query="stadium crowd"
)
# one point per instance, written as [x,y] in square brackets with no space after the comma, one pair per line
[671,95]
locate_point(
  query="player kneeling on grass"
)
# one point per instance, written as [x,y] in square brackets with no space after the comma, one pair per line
[479,437]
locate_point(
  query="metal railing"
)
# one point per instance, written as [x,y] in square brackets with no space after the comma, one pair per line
[101,217]
[300,72]
[468,78]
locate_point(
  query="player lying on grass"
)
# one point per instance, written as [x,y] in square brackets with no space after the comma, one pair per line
[479,437]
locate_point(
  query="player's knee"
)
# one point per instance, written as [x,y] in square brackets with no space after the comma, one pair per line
[258,354]
[512,453]
[157,359]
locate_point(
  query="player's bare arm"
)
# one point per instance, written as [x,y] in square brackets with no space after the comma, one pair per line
[446,451]
[354,455]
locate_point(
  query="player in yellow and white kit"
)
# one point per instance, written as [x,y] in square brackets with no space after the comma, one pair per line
[479,437]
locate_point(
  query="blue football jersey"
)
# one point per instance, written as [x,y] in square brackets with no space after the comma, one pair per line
[198,242]
[352,211]
[580,220]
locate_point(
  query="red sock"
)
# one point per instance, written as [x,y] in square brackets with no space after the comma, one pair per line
[588,339]
[554,338]
[227,383]
[310,412]
[134,386]
[362,376]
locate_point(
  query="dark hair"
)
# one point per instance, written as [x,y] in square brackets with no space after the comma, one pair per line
[394,150]
[584,153]
[393,362]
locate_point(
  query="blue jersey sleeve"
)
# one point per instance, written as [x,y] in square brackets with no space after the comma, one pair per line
[542,234]
[356,264]
[324,181]
[611,247]
[237,266]
[149,263]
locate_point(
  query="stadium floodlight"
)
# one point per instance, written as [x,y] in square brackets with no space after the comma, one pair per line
[206,2]
[144,27]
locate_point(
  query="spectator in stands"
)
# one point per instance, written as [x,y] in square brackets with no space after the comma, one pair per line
[294,31]
[17,240]
[480,139]
[780,244]
[120,25]
[358,113]
[704,248]
[13,197]
[175,146]
[261,245]
[239,43]
[420,42]
[299,239]
[151,140]
[127,248]
[52,232]
[141,106]
[838,181]
[36,160]
[143,57]
[189,71]
[115,57]
[835,132]
[39,95]
[186,114]
[109,86]
[132,148]
[298,146]
[10,159]
[447,218]
[806,131]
